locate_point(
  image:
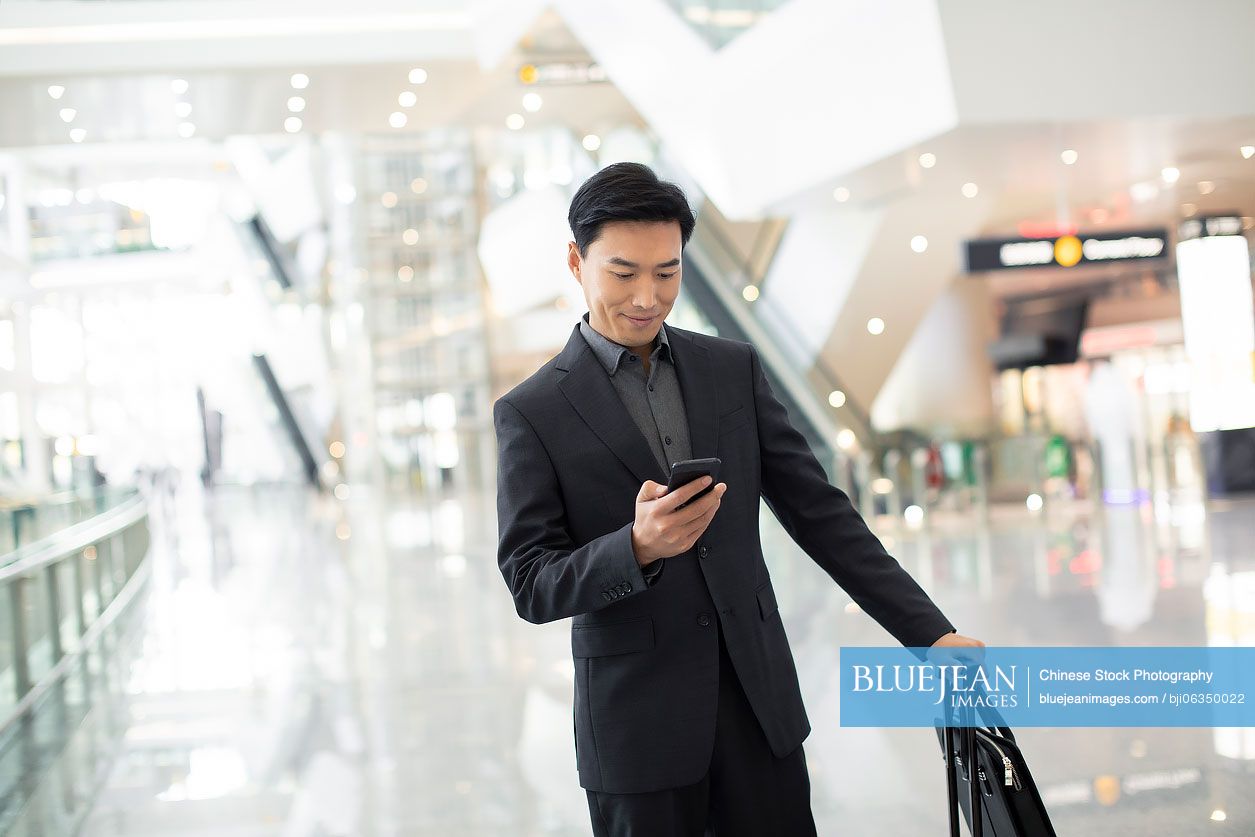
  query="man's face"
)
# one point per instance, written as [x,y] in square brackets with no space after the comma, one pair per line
[631,271]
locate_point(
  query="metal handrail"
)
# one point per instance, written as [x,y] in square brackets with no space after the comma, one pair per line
[48,550]
[101,541]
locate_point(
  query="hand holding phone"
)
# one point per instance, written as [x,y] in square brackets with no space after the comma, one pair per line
[682,473]
[668,524]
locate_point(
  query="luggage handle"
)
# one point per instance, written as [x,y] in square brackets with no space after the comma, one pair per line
[966,751]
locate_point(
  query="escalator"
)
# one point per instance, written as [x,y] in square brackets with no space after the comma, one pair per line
[714,273]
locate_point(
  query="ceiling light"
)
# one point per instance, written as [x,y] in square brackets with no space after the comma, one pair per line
[405,273]
[836,398]
[1143,192]
[1248,151]
[1206,187]
[846,438]
[514,121]
[407,99]
[410,236]
[292,124]
[919,244]
[296,104]
[875,326]
[77,134]
[56,91]
[532,102]
[749,293]
[1033,502]
[397,119]
[418,75]
[913,514]
[592,142]
[67,114]
[186,129]
[970,190]
[1170,175]
[1219,815]
[928,160]
[1068,156]
[183,109]
[389,199]
[418,185]
[178,86]
[299,81]
[840,194]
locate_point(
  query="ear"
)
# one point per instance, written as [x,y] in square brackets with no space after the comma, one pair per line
[573,260]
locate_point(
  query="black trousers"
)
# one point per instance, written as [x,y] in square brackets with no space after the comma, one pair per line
[747,792]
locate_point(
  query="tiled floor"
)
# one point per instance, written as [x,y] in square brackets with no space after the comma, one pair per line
[288,681]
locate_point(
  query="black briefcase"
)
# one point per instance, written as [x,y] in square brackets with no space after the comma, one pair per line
[1002,791]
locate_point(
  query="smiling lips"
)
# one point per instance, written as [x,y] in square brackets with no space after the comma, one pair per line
[644,322]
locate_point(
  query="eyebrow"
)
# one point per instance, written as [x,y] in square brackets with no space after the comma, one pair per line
[622,262]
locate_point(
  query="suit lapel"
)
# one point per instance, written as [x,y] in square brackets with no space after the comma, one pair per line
[590,392]
[697,384]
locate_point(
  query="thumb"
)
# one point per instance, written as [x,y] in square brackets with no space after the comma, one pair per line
[650,490]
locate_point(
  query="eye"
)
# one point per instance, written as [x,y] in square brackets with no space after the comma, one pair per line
[624,275]
[665,275]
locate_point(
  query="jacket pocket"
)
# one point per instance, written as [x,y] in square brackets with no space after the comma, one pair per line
[766,601]
[612,638]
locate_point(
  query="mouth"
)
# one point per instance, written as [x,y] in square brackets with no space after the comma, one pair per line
[640,323]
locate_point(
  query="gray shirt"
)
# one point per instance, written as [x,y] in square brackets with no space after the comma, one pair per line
[654,401]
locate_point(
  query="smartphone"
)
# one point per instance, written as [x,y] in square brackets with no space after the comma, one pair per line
[688,470]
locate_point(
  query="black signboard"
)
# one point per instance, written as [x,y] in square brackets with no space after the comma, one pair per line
[1066,251]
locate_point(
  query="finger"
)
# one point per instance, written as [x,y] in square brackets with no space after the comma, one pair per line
[702,521]
[695,509]
[684,493]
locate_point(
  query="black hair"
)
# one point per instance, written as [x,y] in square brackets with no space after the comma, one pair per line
[626,192]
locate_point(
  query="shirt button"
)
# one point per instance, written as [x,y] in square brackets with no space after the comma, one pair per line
[701,553]
[668,440]
[703,619]
[651,387]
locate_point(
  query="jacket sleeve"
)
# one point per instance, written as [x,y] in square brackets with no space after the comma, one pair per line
[823,522]
[549,575]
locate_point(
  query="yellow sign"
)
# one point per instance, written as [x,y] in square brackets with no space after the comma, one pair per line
[1068,250]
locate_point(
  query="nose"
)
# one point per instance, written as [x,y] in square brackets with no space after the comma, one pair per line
[644,298]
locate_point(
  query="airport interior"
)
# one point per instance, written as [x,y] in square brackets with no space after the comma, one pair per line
[265,268]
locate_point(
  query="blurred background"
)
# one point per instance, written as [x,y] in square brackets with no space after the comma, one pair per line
[265,266]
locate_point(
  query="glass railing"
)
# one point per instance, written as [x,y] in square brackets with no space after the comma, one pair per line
[78,563]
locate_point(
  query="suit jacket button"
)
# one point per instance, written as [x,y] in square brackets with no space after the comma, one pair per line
[627,588]
[701,553]
[703,619]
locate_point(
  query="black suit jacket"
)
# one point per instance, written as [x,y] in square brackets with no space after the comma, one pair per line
[570,464]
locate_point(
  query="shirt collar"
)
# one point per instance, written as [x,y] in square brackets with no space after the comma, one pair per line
[611,354]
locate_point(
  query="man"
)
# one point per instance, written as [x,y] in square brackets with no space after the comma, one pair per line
[688,712]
